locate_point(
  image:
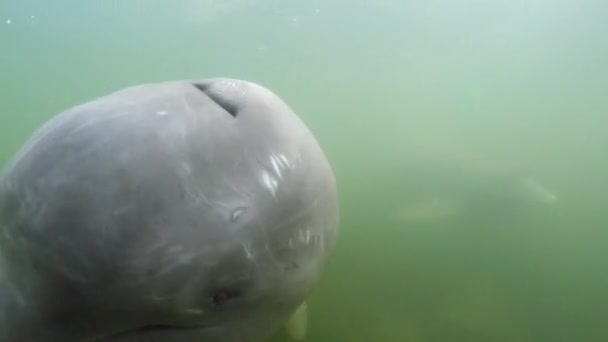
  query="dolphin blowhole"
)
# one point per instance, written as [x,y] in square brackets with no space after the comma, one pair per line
[228,106]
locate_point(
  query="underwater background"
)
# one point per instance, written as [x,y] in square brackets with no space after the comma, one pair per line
[469,140]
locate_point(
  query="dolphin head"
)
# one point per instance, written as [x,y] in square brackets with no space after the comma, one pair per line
[178,211]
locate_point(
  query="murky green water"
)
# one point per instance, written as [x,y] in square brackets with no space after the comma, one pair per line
[469,139]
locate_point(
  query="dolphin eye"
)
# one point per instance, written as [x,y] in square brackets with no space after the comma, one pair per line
[222,296]
[237,213]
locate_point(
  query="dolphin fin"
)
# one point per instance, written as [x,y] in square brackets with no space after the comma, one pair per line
[297,325]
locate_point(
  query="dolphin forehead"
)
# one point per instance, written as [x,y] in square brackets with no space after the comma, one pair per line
[167,158]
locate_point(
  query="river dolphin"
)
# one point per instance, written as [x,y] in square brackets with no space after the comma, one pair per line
[186,210]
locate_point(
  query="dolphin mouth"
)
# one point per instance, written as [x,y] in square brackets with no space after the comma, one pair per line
[163,327]
[158,328]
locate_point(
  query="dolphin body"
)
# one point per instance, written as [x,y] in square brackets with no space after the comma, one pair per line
[178,211]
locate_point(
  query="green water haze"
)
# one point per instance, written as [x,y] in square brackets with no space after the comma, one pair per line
[469,140]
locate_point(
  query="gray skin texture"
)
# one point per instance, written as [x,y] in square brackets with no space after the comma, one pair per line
[178,211]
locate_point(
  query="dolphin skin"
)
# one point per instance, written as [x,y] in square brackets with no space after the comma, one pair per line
[179,211]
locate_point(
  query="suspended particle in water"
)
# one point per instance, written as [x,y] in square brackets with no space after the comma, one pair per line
[8,21]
